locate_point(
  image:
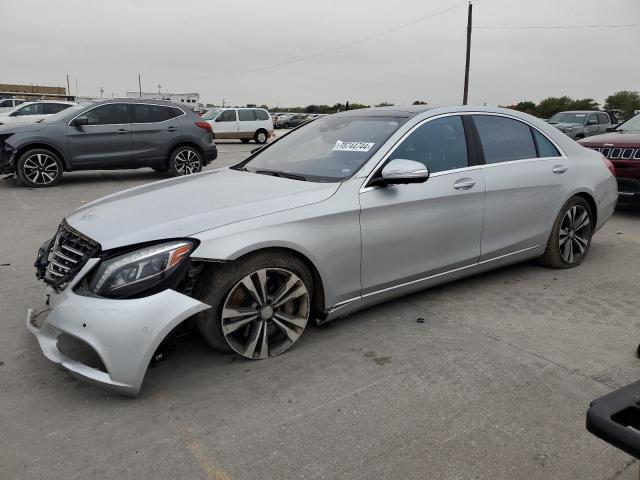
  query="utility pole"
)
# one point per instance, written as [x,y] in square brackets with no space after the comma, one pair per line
[466,67]
[77,88]
[101,91]
[68,88]
[139,85]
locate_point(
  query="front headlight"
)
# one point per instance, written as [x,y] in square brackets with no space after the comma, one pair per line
[134,272]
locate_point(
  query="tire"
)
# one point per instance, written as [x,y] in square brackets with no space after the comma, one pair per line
[224,290]
[261,137]
[245,140]
[39,168]
[185,160]
[570,237]
[287,125]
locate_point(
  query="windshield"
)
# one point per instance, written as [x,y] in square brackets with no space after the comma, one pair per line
[329,149]
[568,117]
[70,112]
[630,126]
[211,114]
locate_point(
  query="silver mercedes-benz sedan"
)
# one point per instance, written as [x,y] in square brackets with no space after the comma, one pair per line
[344,212]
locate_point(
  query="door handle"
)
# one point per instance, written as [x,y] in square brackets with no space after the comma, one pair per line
[122,131]
[559,169]
[172,129]
[464,184]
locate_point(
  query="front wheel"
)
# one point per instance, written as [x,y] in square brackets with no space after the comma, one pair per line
[570,238]
[260,305]
[39,168]
[185,161]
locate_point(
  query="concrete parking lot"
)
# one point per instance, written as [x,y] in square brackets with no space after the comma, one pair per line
[493,383]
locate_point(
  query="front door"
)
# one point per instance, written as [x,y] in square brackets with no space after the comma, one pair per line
[418,230]
[105,142]
[226,124]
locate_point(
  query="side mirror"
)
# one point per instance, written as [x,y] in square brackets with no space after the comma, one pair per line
[611,129]
[15,114]
[401,171]
[80,121]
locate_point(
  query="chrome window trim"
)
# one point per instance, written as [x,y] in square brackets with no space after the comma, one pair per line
[125,103]
[364,188]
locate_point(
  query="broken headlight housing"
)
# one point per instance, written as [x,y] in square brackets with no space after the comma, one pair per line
[137,271]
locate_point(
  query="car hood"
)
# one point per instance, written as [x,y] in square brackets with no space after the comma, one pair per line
[612,139]
[21,128]
[185,206]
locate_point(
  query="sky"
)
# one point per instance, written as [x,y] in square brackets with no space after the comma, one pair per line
[286,52]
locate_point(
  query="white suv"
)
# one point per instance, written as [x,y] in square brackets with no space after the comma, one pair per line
[30,112]
[242,123]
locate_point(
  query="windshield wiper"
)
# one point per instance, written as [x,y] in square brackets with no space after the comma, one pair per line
[276,173]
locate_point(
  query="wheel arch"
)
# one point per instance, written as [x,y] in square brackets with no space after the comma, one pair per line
[592,204]
[319,299]
[186,143]
[44,146]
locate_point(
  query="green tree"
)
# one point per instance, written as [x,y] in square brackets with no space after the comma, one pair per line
[624,100]
[419,102]
[526,106]
[585,104]
[552,105]
[384,104]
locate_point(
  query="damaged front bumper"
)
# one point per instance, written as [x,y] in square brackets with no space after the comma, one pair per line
[123,333]
[7,160]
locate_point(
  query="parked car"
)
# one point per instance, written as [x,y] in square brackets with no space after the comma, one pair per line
[581,124]
[342,213]
[291,120]
[111,134]
[622,146]
[245,124]
[6,103]
[30,112]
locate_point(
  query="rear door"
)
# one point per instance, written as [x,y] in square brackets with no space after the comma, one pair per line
[248,122]
[604,122]
[592,125]
[51,108]
[226,124]
[153,129]
[105,142]
[526,178]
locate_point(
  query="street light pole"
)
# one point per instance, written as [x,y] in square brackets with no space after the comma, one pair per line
[466,67]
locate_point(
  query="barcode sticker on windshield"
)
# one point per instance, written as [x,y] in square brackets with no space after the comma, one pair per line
[341,146]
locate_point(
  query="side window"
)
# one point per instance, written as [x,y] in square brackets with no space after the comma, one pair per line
[545,147]
[439,144]
[592,119]
[247,115]
[504,139]
[110,114]
[51,108]
[227,116]
[32,109]
[262,114]
[174,112]
[603,117]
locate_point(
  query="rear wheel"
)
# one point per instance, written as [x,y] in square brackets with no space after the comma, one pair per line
[570,238]
[260,136]
[39,168]
[260,306]
[185,160]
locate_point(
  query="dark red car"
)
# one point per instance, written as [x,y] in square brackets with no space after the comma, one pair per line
[622,146]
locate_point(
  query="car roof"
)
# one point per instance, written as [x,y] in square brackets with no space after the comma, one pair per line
[151,101]
[582,111]
[66,102]
[407,111]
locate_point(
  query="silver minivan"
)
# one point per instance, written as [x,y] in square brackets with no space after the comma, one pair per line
[245,124]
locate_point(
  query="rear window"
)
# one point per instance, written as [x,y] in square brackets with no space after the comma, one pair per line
[262,114]
[545,147]
[504,139]
[145,113]
[247,115]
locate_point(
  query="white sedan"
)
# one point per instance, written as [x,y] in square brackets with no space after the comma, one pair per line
[30,112]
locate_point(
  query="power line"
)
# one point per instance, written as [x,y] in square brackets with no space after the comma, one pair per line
[356,42]
[541,27]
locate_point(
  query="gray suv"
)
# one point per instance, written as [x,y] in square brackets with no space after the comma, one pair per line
[582,123]
[112,134]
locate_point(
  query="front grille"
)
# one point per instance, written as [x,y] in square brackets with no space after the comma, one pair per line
[619,153]
[68,254]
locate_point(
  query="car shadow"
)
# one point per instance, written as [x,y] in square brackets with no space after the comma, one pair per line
[628,210]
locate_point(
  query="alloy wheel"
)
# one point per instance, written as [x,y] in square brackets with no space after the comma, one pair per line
[265,313]
[187,162]
[575,230]
[41,169]
[262,137]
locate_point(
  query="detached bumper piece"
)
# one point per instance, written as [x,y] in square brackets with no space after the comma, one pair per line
[615,418]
